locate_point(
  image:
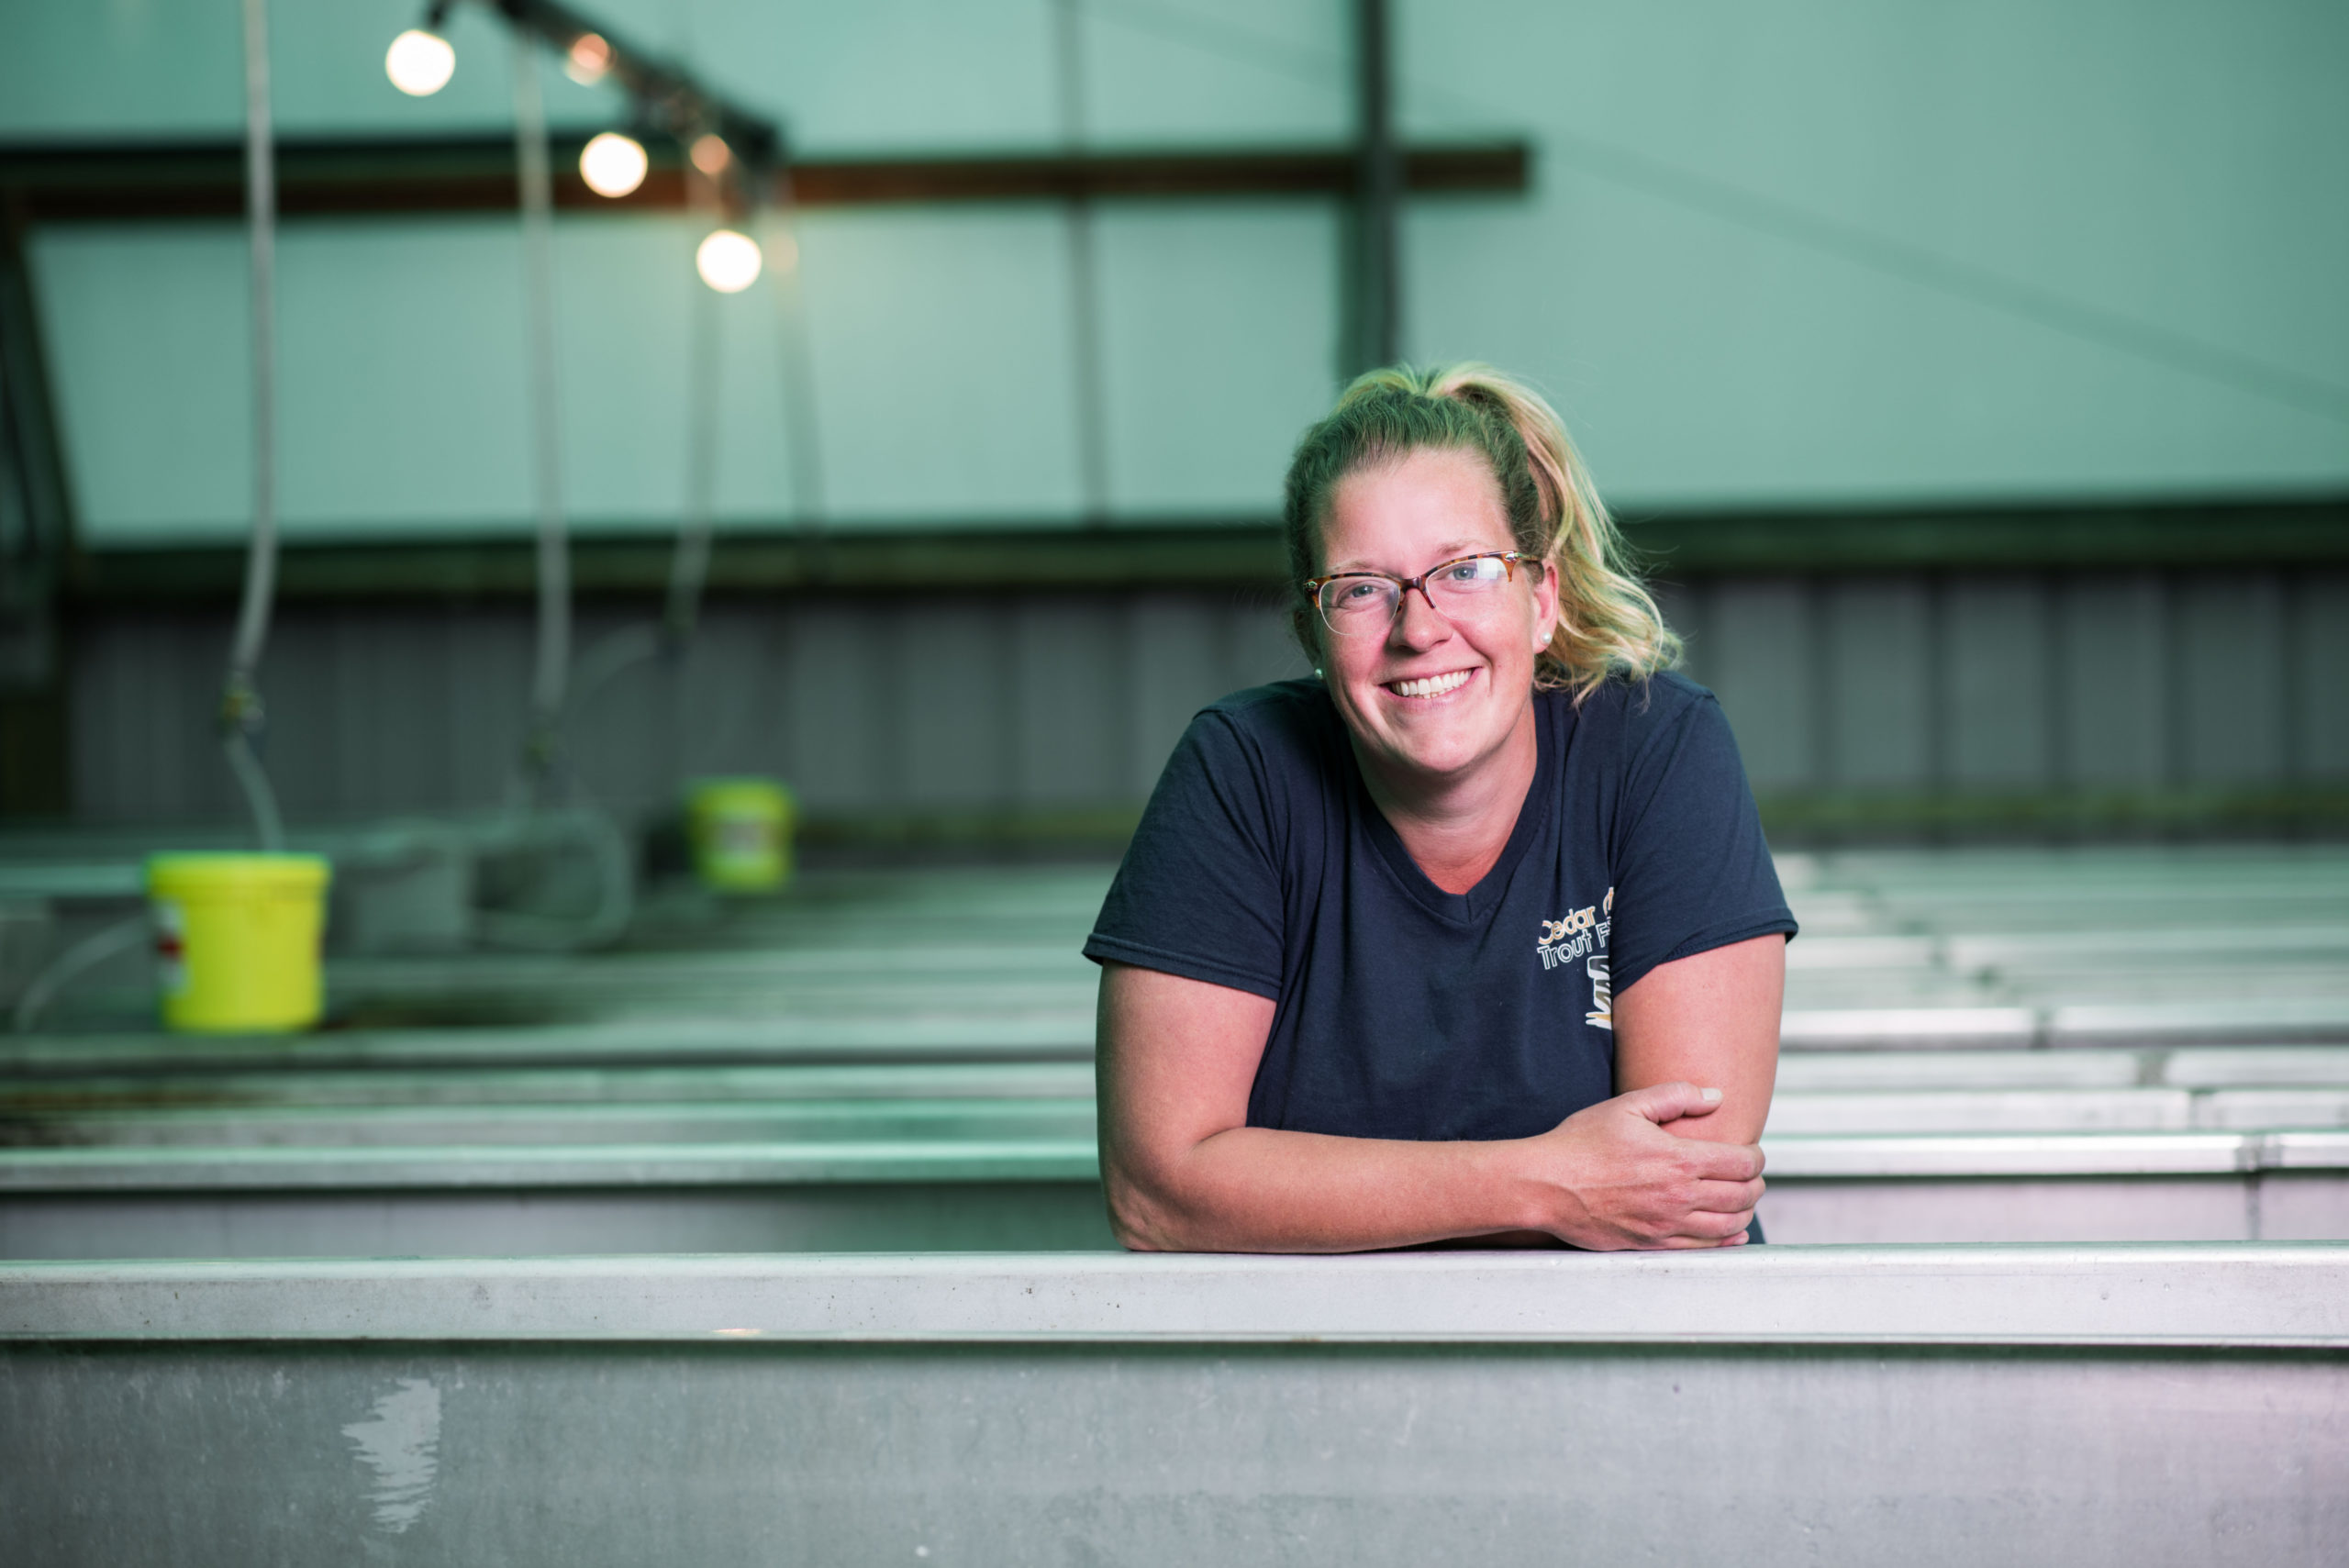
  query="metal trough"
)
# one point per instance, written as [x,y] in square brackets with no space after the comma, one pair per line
[1042,1193]
[917,1113]
[55,1079]
[1927,1405]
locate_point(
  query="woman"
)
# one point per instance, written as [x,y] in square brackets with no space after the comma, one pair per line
[1474,936]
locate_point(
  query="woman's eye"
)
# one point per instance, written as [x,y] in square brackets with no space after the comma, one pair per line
[1357,593]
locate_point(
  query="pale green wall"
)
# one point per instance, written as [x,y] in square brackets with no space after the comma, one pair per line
[940,342]
[1778,255]
[2177,170]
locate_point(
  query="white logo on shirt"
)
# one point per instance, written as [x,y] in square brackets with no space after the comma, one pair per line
[1602,994]
[1583,936]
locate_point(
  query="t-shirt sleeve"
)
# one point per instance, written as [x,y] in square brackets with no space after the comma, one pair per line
[1199,891]
[1692,871]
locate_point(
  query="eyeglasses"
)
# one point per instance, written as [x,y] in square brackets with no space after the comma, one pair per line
[1358,603]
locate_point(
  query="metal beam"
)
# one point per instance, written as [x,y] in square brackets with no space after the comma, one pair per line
[1244,551]
[663,97]
[115,183]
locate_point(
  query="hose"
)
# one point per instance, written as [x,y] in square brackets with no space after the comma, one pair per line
[62,970]
[553,660]
[624,649]
[242,714]
[689,567]
[614,895]
[801,441]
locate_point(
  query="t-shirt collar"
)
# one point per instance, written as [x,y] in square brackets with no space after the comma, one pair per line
[1532,817]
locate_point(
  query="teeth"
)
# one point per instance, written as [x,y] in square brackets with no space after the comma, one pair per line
[1432,685]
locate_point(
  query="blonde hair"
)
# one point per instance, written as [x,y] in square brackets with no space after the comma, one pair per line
[1608,622]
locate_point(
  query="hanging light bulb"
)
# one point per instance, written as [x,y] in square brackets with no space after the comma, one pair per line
[420,64]
[727,261]
[587,60]
[612,164]
[710,154]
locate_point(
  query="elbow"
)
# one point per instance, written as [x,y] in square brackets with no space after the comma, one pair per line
[1142,1218]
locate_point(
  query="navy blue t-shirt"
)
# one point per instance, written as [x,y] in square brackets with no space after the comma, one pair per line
[1404,1011]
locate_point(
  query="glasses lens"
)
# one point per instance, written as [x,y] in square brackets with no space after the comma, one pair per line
[1354,604]
[1467,579]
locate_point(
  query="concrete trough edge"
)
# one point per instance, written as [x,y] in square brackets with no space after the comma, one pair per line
[694,1043]
[462,1167]
[2205,1294]
[458,1167]
[1065,1035]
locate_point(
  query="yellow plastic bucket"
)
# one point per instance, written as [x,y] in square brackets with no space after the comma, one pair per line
[237,941]
[741,833]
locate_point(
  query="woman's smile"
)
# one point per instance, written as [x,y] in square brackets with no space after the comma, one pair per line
[1431,688]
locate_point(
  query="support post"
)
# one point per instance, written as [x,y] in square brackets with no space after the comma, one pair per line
[1375,335]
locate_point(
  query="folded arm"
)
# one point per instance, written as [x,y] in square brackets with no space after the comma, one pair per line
[1711,1017]
[1184,1173]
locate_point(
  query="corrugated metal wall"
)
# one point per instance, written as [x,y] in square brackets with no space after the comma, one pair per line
[930,705]
[920,705]
[2124,681]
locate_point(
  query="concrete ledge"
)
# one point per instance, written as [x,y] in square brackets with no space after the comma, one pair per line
[1825,1157]
[2270,1021]
[1061,1035]
[167,1078]
[2209,1295]
[1044,1029]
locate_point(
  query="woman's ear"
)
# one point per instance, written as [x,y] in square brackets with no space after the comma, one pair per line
[1545,607]
[1302,623]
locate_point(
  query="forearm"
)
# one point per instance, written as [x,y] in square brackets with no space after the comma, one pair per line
[1253,1189]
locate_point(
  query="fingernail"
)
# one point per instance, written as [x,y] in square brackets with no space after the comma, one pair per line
[1710,1096]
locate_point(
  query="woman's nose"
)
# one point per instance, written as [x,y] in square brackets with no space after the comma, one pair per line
[1417,623]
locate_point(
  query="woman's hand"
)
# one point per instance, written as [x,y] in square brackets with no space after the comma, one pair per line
[1611,1177]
